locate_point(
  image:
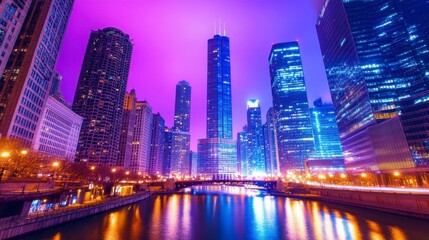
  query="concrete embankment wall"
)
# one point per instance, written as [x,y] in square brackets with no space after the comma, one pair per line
[407,204]
[15,226]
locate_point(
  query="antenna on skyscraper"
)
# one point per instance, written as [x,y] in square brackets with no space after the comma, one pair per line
[214,25]
[220,27]
[224,29]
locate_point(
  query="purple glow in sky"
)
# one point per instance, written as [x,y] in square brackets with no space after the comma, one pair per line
[170,44]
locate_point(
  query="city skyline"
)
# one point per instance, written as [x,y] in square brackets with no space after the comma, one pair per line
[154,80]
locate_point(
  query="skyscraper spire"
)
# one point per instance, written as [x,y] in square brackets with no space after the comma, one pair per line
[224,29]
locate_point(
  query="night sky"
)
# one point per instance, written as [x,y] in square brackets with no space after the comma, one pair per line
[170,44]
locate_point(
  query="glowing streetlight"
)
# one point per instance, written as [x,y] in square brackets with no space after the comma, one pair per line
[5,154]
[24,152]
[343,175]
[92,168]
[363,175]
[331,175]
[396,174]
[127,173]
[55,164]
[139,173]
[113,170]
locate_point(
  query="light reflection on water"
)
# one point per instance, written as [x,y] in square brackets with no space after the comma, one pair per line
[216,212]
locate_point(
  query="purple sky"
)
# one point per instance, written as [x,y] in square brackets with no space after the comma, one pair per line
[170,44]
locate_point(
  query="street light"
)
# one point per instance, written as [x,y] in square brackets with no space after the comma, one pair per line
[92,168]
[363,175]
[396,174]
[5,154]
[113,170]
[55,164]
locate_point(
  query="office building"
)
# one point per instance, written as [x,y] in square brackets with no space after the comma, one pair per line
[156,155]
[13,15]
[255,139]
[127,129]
[243,165]
[271,150]
[140,147]
[217,153]
[294,131]
[376,59]
[58,132]
[27,77]
[168,146]
[182,109]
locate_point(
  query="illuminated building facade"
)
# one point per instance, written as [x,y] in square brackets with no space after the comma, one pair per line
[27,77]
[11,20]
[58,132]
[326,138]
[294,131]
[100,94]
[181,137]
[127,129]
[156,155]
[242,151]
[140,147]
[376,58]
[255,139]
[217,153]
[271,149]
[168,142]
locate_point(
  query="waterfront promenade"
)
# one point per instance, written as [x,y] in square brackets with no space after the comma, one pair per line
[17,225]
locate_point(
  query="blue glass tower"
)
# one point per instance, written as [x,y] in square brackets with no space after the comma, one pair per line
[242,150]
[376,57]
[217,153]
[219,103]
[271,149]
[255,139]
[326,138]
[294,131]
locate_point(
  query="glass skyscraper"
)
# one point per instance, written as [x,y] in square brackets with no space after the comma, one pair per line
[376,57]
[294,131]
[182,109]
[255,139]
[156,155]
[181,137]
[217,153]
[242,153]
[127,129]
[100,94]
[219,103]
[326,138]
[271,150]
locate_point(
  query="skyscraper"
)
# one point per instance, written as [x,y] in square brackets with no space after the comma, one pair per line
[242,153]
[168,141]
[180,149]
[182,109]
[326,138]
[219,102]
[272,153]
[255,139]
[328,155]
[100,94]
[217,153]
[127,129]
[26,80]
[140,148]
[14,14]
[156,145]
[294,132]
[181,137]
[376,59]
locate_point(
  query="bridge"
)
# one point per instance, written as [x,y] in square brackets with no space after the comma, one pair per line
[269,185]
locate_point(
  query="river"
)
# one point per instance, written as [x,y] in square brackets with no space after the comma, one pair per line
[215,212]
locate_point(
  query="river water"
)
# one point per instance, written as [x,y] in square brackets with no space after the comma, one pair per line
[215,212]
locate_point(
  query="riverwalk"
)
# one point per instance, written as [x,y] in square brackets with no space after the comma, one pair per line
[15,226]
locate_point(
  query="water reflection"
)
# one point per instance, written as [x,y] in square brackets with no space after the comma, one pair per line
[216,212]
